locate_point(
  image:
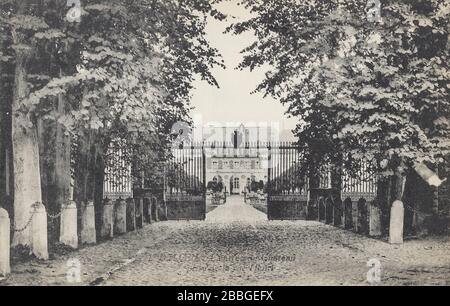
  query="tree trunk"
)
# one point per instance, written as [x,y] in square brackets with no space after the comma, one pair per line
[46,151]
[62,159]
[399,181]
[435,197]
[81,169]
[6,96]
[27,183]
[86,170]
[2,142]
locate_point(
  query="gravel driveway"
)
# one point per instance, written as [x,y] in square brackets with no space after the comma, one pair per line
[236,245]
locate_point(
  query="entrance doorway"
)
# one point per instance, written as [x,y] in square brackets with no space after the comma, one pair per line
[235,185]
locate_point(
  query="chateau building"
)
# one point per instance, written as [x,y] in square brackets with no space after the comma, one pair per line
[237,155]
[236,172]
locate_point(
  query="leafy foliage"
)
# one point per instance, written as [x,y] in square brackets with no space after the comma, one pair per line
[377,89]
[125,69]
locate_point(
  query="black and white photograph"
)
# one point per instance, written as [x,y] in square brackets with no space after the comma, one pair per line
[224,148]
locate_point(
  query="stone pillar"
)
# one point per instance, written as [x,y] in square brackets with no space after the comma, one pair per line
[88,233]
[329,206]
[396,223]
[139,212]
[120,217]
[5,238]
[348,214]
[68,226]
[337,212]
[131,215]
[147,215]
[374,220]
[321,214]
[155,209]
[107,230]
[355,216]
[363,226]
[39,243]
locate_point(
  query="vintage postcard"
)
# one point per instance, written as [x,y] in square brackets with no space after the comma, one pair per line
[198,144]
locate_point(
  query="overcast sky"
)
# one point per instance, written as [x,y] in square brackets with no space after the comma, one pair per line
[232,102]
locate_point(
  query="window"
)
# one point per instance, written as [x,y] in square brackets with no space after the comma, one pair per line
[236,183]
[220,164]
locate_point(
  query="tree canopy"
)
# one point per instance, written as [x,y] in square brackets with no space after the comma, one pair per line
[125,68]
[364,83]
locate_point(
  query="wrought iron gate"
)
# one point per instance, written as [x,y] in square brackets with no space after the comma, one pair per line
[291,196]
[184,185]
[287,190]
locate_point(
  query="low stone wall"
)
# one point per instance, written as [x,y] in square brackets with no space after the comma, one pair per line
[360,216]
[287,207]
[185,207]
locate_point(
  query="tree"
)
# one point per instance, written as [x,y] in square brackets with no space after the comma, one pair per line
[123,71]
[27,184]
[376,89]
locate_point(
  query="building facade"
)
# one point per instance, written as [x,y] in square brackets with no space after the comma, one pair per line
[236,172]
[235,157]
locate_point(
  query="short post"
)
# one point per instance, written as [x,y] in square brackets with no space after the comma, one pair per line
[155,209]
[329,211]
[374,220]
[88,234]
[348,214]
[131,215]
[107,230]
[396,223]
[321,210]
[147,215]
[39,243]
[69,225]
[139,212]
[120,217]
[5,236]
[355,214]
[363,226]
[337,212]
